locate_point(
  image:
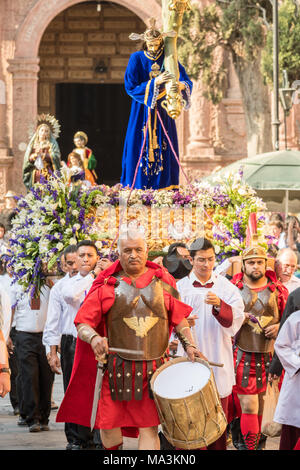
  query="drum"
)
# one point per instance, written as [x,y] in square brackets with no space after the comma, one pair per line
[188,403]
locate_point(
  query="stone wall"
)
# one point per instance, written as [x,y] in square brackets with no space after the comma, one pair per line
[79,42]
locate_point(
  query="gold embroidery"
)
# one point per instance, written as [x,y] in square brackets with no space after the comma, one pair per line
[154,58]
[147,92]
[151,153]
[141,326]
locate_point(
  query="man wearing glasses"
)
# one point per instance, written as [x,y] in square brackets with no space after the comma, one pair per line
[220,310]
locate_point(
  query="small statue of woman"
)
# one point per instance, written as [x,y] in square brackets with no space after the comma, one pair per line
[42,156]
[88,158]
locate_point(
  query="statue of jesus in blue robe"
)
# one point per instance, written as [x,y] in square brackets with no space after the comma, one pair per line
[158,167]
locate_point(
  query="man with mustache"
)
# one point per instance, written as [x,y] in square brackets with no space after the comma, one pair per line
[285,267]
[264,298]
[132,305]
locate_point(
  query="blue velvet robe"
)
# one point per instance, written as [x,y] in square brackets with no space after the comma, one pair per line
[163,172]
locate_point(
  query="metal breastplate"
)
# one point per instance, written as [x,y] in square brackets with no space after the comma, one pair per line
[264,306]
[138,320]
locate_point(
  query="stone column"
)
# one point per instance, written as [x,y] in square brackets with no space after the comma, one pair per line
[200,157]
[199,140]
[6,160]
[25,79]
[3,140]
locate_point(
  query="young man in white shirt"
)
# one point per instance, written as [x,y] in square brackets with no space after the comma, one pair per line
[60,332]
[220,311]
[73,293]
[35,373]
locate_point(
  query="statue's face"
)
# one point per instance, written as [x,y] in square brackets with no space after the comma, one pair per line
[74,161]
[153,45]
[79,143]
[44,132]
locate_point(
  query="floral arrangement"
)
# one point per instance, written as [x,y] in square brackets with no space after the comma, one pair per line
[55,214]
[50,217]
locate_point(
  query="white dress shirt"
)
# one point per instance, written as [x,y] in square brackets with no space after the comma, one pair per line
[60,318]
[287,347]
[5,312]
[76,289]
[292,284]
[26,319]
[212,339]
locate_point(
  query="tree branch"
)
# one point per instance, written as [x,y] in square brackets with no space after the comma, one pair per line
[264,14]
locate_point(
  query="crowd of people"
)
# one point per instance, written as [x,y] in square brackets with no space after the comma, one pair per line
[200,311]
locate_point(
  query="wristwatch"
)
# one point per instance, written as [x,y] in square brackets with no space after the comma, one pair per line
[5,369]
[93,274]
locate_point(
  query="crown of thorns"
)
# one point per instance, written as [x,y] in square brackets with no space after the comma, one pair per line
[151,33]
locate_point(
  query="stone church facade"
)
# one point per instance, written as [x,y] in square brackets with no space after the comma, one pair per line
[44,43]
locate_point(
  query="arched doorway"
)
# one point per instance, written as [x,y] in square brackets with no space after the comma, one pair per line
[25,66]
[83,56]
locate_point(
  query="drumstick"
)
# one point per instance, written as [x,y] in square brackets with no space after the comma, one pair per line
[214,364]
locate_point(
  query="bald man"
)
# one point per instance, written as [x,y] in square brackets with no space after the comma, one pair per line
[285,267]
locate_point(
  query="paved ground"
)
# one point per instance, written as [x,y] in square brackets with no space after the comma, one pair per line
[14,437]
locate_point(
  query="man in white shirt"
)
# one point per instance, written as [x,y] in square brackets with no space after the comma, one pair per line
[89,266]
[220,310]
[35,373]
[60,331]
[285,266]
[5,307]
[15,394]
[73,293]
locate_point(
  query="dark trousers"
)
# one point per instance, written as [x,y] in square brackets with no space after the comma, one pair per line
[75,433]
[36,377]
[15,394]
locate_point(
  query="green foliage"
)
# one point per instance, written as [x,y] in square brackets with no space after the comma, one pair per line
[289,44]
[235,26]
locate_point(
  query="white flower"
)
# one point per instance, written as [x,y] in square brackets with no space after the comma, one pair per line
[43,246]
[217,249]
[60,246]
[62,221]
[75,212]
[76,226]
[73,241]
[242,191]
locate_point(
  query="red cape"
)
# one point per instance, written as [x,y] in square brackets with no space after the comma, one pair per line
[76,406]
[274,283]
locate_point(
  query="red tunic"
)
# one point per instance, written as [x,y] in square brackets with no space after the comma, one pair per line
[76,406]
[251,388]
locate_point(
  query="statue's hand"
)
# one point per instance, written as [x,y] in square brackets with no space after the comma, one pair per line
[33,158]
[163,78]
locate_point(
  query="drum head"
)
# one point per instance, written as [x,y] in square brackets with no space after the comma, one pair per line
[181,379]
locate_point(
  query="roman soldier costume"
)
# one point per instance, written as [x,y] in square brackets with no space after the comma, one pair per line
[252,349]
[136,315]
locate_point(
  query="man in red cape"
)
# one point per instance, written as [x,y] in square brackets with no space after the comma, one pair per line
[96,321]
[264,298]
